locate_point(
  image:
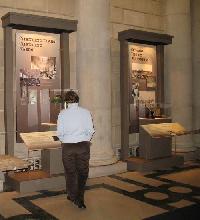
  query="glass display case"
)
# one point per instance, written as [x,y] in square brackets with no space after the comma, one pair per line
[38,80]
[143,83]
[141,80]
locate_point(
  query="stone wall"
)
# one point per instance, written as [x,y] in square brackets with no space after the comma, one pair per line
[61,9]
[178,67]
[195,8]
[129,14]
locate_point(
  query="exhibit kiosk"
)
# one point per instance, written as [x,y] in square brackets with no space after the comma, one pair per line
[142,93]
[36,74]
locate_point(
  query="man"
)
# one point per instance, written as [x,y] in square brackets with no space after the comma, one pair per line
[75,130]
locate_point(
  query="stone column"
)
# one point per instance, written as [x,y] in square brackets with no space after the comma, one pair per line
[94,75]
[195,9]
[178,66]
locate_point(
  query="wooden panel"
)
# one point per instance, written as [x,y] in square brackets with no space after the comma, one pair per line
[65,62]
[8,94]
[40,140]
[124,86]
[160,75]
[38,23]
[138,36]
[29,175]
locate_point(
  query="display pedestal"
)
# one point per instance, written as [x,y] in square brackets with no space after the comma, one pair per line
[52,174]
[144,165]
[51,161]
[155,148]
[37,180]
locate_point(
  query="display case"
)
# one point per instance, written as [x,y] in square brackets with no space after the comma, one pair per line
[143,83]
[36,75]
[156,139]
[141,80]
[36,70]
[38,80]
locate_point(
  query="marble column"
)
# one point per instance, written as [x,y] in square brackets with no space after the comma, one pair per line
[94,74]
[178,67]
[195,9]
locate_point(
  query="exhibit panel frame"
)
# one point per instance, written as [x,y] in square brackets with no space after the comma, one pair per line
[25,22]
[143,38]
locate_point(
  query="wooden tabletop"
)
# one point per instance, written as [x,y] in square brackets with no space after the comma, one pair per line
[164,129]
[40,140]
[9,163]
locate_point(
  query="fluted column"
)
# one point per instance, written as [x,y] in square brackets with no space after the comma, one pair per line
[195,7]
[179,67]
[93,74]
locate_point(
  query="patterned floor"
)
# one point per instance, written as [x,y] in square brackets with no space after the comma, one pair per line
[169,194]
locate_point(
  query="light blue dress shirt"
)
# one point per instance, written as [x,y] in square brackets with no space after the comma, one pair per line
[74,124]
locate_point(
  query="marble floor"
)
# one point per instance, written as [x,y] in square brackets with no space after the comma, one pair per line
[168,194]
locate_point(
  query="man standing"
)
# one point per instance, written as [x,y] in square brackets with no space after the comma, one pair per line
[75,129]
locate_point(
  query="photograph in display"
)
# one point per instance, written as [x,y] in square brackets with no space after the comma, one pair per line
[143,72]
[142,66]
[29,77]
[45,65]
[146,102]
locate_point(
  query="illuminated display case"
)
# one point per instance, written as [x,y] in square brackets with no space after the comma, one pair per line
[36,75]
[36,69]
[141,80]
[38,80]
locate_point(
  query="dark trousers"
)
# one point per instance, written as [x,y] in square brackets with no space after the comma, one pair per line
[75,157]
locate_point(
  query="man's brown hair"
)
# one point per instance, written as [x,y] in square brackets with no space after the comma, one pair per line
[71,97]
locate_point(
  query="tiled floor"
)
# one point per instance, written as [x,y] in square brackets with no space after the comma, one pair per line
[172,194]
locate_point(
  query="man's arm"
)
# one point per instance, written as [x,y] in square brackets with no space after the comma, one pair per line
[90,126]
[60,127]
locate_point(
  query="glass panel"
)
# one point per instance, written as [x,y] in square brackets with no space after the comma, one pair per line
[143,82]
[38,80]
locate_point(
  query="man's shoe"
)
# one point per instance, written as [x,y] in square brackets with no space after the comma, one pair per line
[83,205]
[68,197]
[80,204]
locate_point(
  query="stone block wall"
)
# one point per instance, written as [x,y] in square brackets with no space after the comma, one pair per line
[195,7]
[129,14]
[178,67]
[53,8]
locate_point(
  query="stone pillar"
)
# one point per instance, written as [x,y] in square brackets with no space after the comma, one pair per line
[178,67]
[94,75]
[195,9]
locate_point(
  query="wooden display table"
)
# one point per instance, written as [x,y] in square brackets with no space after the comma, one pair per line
[51,163]
[155,147]
[156,139]
[10,163]
[40,140]
[51,153]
